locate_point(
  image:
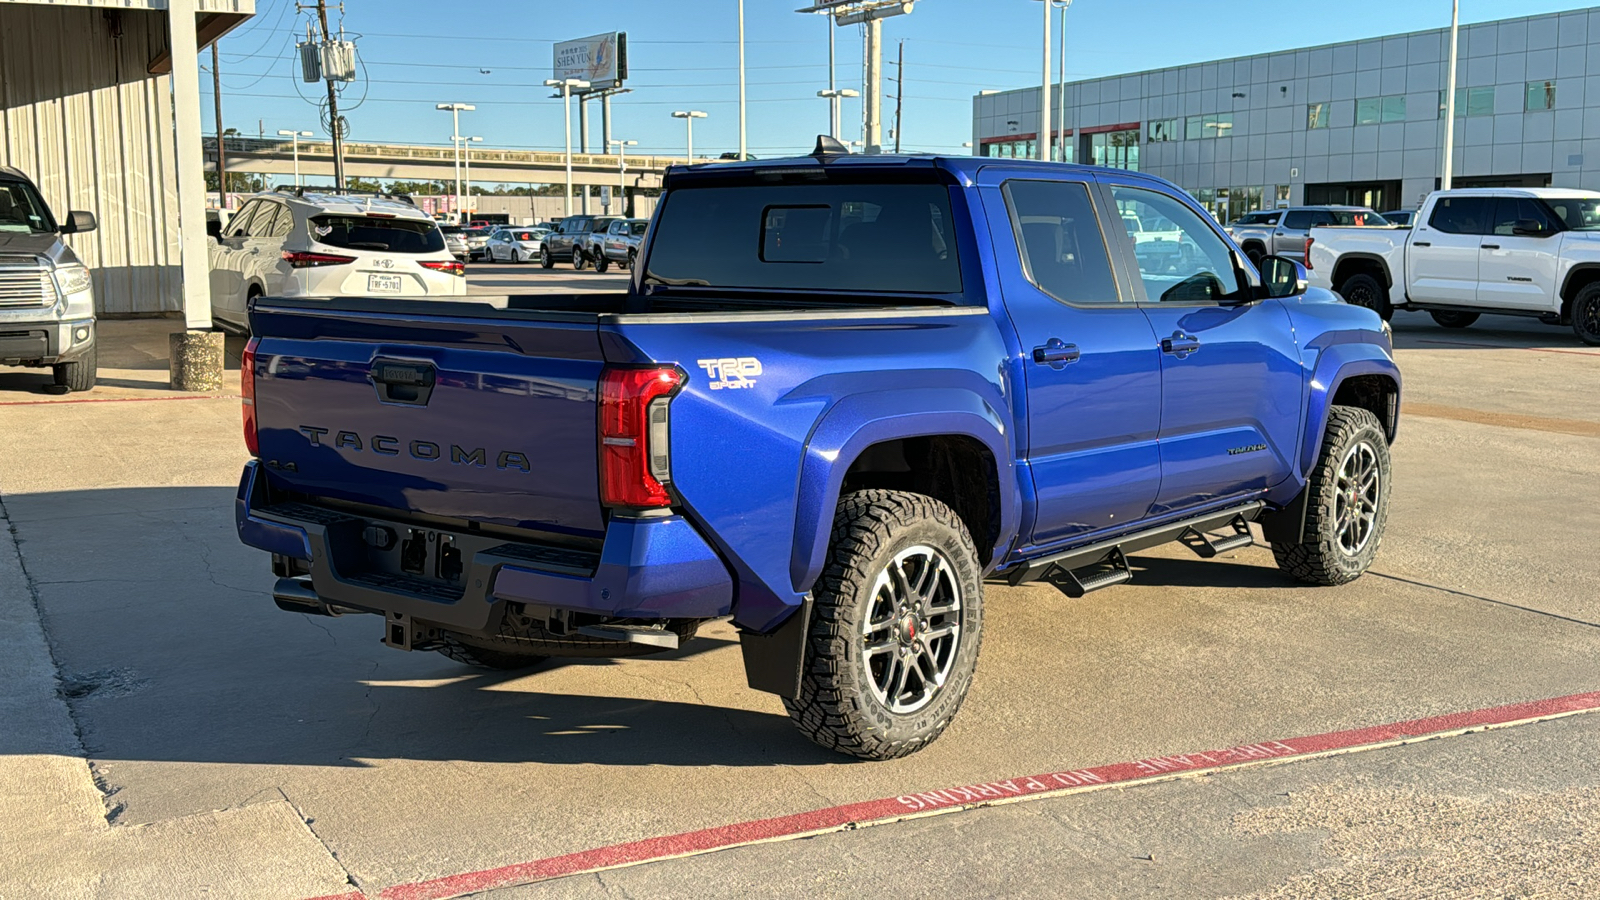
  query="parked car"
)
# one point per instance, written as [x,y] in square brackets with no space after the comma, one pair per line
[927,373]
[517,245]
[1287,235]
[1402,218]
[1261,217]
[455,242]
[586,244]
[557,246]
[1508,251]
[620,243]
[305,243]
[477,240]
[47,315]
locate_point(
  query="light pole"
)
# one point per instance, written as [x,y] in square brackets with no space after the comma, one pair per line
[567,85]
[1045,137]
[455,142]
[466,160]
[834,96]
[741,81]
[1447,173]
[688,116]
[622,169]
[294,137]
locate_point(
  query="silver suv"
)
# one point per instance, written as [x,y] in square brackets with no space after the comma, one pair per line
[1286,235]
[46,295]
[308,244]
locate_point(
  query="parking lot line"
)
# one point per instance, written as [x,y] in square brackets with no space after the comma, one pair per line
[119,399]
[1034,787]
[1479,346]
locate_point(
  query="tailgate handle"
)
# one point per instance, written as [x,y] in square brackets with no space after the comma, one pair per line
[402,382]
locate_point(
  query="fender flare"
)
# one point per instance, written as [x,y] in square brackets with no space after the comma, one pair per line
[1335,365]
[857,422]
[1383,266]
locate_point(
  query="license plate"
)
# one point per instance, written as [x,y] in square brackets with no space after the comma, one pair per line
[384,284]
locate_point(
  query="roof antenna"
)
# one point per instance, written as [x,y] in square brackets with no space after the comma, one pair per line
[829,146]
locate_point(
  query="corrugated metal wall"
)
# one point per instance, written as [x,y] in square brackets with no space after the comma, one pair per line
[80,115]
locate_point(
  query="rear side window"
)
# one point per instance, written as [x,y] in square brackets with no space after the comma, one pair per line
[1063,250]
[826,237]
[1299,220]
[364,233]
[1461,215]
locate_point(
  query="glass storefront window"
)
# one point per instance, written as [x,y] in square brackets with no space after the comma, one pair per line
[1116,149]
[1541,95]
[1316,115]
[1161,131]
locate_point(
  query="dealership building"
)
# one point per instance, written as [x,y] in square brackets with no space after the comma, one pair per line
[1358,122]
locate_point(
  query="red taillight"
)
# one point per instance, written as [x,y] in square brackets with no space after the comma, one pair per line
[454,267]
[634,465]
[247,395]
[1308,252]
[302,260]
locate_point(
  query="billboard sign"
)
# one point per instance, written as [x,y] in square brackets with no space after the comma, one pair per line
[601,60]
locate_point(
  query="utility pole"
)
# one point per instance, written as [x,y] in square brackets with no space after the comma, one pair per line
[335,128]
[1448,172]
[742,153]
[870,13]
[899,90]
[1045,138]
[874,88]
[216,96]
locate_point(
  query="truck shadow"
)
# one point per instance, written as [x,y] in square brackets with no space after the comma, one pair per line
[169,648]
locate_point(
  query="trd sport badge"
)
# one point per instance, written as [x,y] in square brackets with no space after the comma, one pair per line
[731,373]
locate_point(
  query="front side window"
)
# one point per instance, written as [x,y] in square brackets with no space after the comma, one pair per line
[387,235]
[1316,115]
[837,236]
[266,217]
[1508,211]
[1181,259]
[22,211]
[1576,213]
[1461,215]
[1062,248]
[1541,95]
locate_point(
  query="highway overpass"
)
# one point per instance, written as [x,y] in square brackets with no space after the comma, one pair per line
[415,162]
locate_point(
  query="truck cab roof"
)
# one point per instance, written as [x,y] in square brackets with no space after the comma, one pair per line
[1536,193]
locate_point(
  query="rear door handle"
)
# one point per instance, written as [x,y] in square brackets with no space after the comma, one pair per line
[1491,247]
[1421,244]
[1180,344]
[1056,353]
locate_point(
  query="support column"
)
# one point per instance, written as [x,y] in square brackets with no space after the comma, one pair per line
[583,144]
[195,265]
[873,88]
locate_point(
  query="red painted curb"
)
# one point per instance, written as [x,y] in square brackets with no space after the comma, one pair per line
[893,809]
[119,400]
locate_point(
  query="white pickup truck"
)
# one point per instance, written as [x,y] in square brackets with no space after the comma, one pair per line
[1507,251]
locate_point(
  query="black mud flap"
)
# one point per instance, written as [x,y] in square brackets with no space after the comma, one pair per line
[1287,526]
[773,662]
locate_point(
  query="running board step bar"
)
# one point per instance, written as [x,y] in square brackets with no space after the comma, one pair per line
[1207,546]
[1107,562]
[654,637]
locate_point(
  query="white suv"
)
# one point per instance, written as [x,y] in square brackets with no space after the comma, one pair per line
[306,244]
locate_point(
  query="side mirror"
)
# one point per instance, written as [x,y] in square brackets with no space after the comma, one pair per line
[1529,228]
[1282,277]
[214,228]
[78,222]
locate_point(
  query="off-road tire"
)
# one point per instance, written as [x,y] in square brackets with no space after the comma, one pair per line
[78,375]
[601,264]
[836,707]
[546,260]
[1451,319]
[578,259]
[450,645]
[1365,290]
[1586,315]
[1319,558]
[633,258]
[1255,254]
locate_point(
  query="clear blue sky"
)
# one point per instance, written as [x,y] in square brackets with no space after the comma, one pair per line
[685,55]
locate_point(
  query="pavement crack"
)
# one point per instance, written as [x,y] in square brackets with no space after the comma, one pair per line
[312,621]
[1506,603]
[309,824]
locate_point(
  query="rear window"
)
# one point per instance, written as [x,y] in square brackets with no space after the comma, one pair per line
[836,237]
[524,235]
[364,233]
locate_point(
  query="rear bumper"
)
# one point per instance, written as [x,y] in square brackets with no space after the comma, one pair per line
[648,568]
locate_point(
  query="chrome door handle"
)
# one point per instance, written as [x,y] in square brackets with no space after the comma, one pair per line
[1180,344]
[1056,353]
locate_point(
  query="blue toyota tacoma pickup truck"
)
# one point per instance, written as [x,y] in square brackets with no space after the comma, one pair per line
[841,394]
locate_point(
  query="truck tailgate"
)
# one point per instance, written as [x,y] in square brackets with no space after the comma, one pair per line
[438,414]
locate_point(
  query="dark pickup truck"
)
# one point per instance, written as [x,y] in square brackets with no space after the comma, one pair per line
[840,396]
